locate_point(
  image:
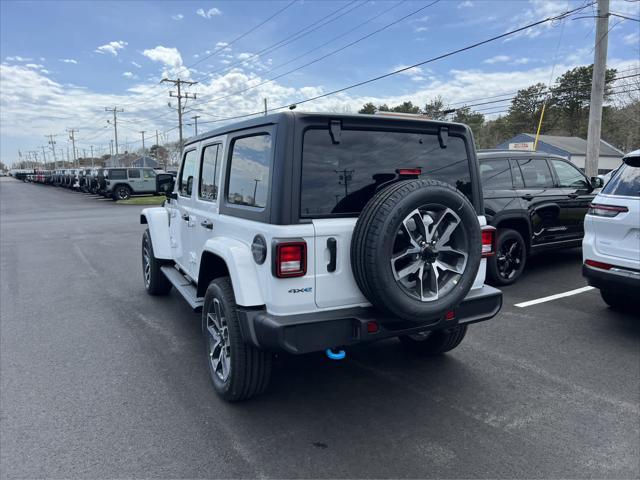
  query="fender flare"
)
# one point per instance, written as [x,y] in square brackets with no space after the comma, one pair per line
[242,269]
[157,219]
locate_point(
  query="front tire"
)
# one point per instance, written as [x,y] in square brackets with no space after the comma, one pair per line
[122,192]
[436,342]
[237,370]
[507,265]
[155,281]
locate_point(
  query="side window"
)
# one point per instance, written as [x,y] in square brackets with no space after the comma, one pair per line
[148,173]
[536,173]
[117,174]
[249,171]
[187,172]
[134,173]
[569,176]
[518,181]
[496,174]
[208,189]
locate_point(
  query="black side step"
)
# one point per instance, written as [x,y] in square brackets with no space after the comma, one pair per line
[184,286]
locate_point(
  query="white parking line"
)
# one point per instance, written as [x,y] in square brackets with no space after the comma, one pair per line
[553,297]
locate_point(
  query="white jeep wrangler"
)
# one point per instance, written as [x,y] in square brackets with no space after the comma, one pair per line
[305,232]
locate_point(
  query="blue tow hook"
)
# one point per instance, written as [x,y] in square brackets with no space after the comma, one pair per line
[339,355]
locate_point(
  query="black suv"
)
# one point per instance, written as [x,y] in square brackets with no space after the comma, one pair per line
[537,201]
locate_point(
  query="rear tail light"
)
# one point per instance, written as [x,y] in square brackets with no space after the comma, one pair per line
[409,171]
[488,241]
[600,210]
[291,259]
[596,264]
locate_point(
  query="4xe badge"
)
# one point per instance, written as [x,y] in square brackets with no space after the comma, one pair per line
[300,290]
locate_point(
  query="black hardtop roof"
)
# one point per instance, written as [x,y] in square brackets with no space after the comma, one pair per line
[498,153]
[275,118]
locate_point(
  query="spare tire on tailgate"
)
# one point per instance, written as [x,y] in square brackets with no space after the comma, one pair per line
[416,249]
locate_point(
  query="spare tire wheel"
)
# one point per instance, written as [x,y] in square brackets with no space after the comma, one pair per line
[416,249]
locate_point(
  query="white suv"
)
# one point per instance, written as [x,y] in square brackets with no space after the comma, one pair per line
[611,245]
[310,232]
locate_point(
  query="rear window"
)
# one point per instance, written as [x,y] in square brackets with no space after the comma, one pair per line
[117,174]
[339,179]
[626,182]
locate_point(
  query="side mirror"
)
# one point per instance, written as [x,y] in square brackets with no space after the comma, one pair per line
[165,184]
[597,182]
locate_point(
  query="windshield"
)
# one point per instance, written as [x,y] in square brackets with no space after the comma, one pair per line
[340,178]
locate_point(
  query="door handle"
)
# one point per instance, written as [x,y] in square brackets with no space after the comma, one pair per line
[331,245]
[528,197]
[573,195]
[185,216]
[207,224]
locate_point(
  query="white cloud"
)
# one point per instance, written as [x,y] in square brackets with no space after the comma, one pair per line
[466,4]
[420,29]
[35,66]
[128,74]
[245,56]
[111,47]
[136,64]
[69,60]
[212,12]
[497,59]
[632,39]
[177,17]
[18,58]
[170,57]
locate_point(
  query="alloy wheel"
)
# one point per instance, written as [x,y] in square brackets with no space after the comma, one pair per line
[430,252]
[509,258]
[146,263]
[218,341]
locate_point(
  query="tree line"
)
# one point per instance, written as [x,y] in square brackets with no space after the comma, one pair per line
[566,111]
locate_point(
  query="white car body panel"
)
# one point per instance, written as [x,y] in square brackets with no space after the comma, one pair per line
[614,240]
[158,222]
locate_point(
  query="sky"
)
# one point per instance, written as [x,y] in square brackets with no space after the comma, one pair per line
[63,63]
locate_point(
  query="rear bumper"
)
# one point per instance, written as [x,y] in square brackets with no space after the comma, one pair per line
[337,328]
[616,279]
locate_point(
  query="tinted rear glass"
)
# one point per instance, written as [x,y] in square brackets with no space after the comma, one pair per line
[117,174]
[626,182]
[339,179]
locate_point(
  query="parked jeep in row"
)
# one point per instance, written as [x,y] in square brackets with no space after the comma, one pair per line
[303,232]
[121,183]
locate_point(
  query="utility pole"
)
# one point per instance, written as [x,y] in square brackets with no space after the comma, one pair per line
[178,83]
[196,120]
[72,137]
[44,156]
[52,144]
[111,147]
[92,165]
[597,89]
[115,112]
[265,106]
[142,132]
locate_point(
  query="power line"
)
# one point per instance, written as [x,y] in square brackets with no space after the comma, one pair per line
[323,56]
[115,112]
[293,37]
[404,69]
[178,83]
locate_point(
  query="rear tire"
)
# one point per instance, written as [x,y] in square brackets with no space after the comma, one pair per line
[237,370]
[507,265]
[436,342]
[155,281]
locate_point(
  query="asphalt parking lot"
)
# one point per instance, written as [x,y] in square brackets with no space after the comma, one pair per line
[99,380]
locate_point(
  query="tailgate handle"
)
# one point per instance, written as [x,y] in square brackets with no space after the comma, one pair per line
[331,245]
